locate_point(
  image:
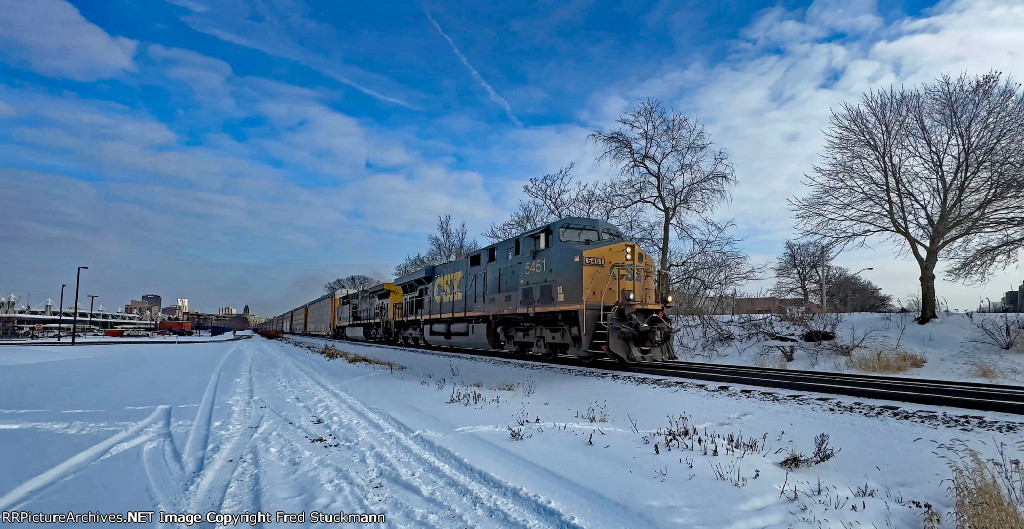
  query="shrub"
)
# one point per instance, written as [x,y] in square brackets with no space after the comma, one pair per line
[1004,333]
[270,334]
[822,452]
[982,502]
[885,361]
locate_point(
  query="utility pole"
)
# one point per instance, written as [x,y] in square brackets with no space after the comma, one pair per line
[92,299]
[74,321]
[60,315]
[824,308]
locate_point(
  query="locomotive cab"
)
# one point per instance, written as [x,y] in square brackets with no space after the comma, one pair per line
[624,301]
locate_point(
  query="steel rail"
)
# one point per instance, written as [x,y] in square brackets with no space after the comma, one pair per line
[943,393]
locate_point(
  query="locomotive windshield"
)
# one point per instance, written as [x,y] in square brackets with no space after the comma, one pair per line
[610,233]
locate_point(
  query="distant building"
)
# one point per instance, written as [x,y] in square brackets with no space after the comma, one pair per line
[235,322]
[171,311]
[774,305]
[153,300]
[228,311]
[183,305]
[141,307]
[245,311]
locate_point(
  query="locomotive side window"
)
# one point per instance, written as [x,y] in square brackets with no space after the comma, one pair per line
[474,260]
[492,254]
[577,235]
[517,246]
[541,240]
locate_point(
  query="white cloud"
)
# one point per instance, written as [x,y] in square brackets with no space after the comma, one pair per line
[281,30]
[56,40]
[769,101]
[206,76]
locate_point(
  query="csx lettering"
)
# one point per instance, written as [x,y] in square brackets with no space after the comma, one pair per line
[446,287]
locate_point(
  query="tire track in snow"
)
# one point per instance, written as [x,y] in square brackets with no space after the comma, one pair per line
[483,498]
[211,485]
[77,462]
[362,490]
[162,463]
[198,438]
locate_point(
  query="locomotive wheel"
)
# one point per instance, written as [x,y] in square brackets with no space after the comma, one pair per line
[588,357]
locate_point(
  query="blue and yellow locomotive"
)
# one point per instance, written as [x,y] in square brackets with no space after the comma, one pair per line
[573,287]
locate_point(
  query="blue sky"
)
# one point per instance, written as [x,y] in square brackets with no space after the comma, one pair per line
[238,152]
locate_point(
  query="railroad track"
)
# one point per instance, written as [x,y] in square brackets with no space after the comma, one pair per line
[967,395]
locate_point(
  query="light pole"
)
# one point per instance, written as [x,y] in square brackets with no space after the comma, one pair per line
[92,299]
[60,315]
[74,322]
[850,295]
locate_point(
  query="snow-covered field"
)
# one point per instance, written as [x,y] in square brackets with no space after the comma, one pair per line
[66,340]
[953,347]
[258,425]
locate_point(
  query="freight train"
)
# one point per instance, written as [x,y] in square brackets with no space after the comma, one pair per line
[574,287]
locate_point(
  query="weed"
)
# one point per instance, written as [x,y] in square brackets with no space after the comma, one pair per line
[333,353]
[982,499]
[517,434]
[595,413]
[864,492]
[822,452]
[506,386]
[885,361]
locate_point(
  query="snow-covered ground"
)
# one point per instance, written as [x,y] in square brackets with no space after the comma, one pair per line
[66,340]
[953,347]
[258,425]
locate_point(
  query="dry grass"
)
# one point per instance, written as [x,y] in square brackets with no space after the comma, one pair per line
[332,353]
[885,361]
[981,501]
[271,334]
[771,361]
[988,371]
[992,371]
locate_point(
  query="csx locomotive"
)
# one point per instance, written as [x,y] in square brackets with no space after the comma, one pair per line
[573,287]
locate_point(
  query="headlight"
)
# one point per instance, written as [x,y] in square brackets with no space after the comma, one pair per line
[629,253]
[628,295]
[668,299]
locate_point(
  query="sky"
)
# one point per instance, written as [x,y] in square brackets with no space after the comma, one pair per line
[245,152]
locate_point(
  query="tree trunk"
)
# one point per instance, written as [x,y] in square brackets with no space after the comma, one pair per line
[665,234]
[928,305]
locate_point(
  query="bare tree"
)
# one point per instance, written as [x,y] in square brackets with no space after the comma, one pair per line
[412,263]
[450,243]
[798,269]
[707,266]
[937,167]
[529,216]
[352,282]
[549,198]
[853,293]
[669,166]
